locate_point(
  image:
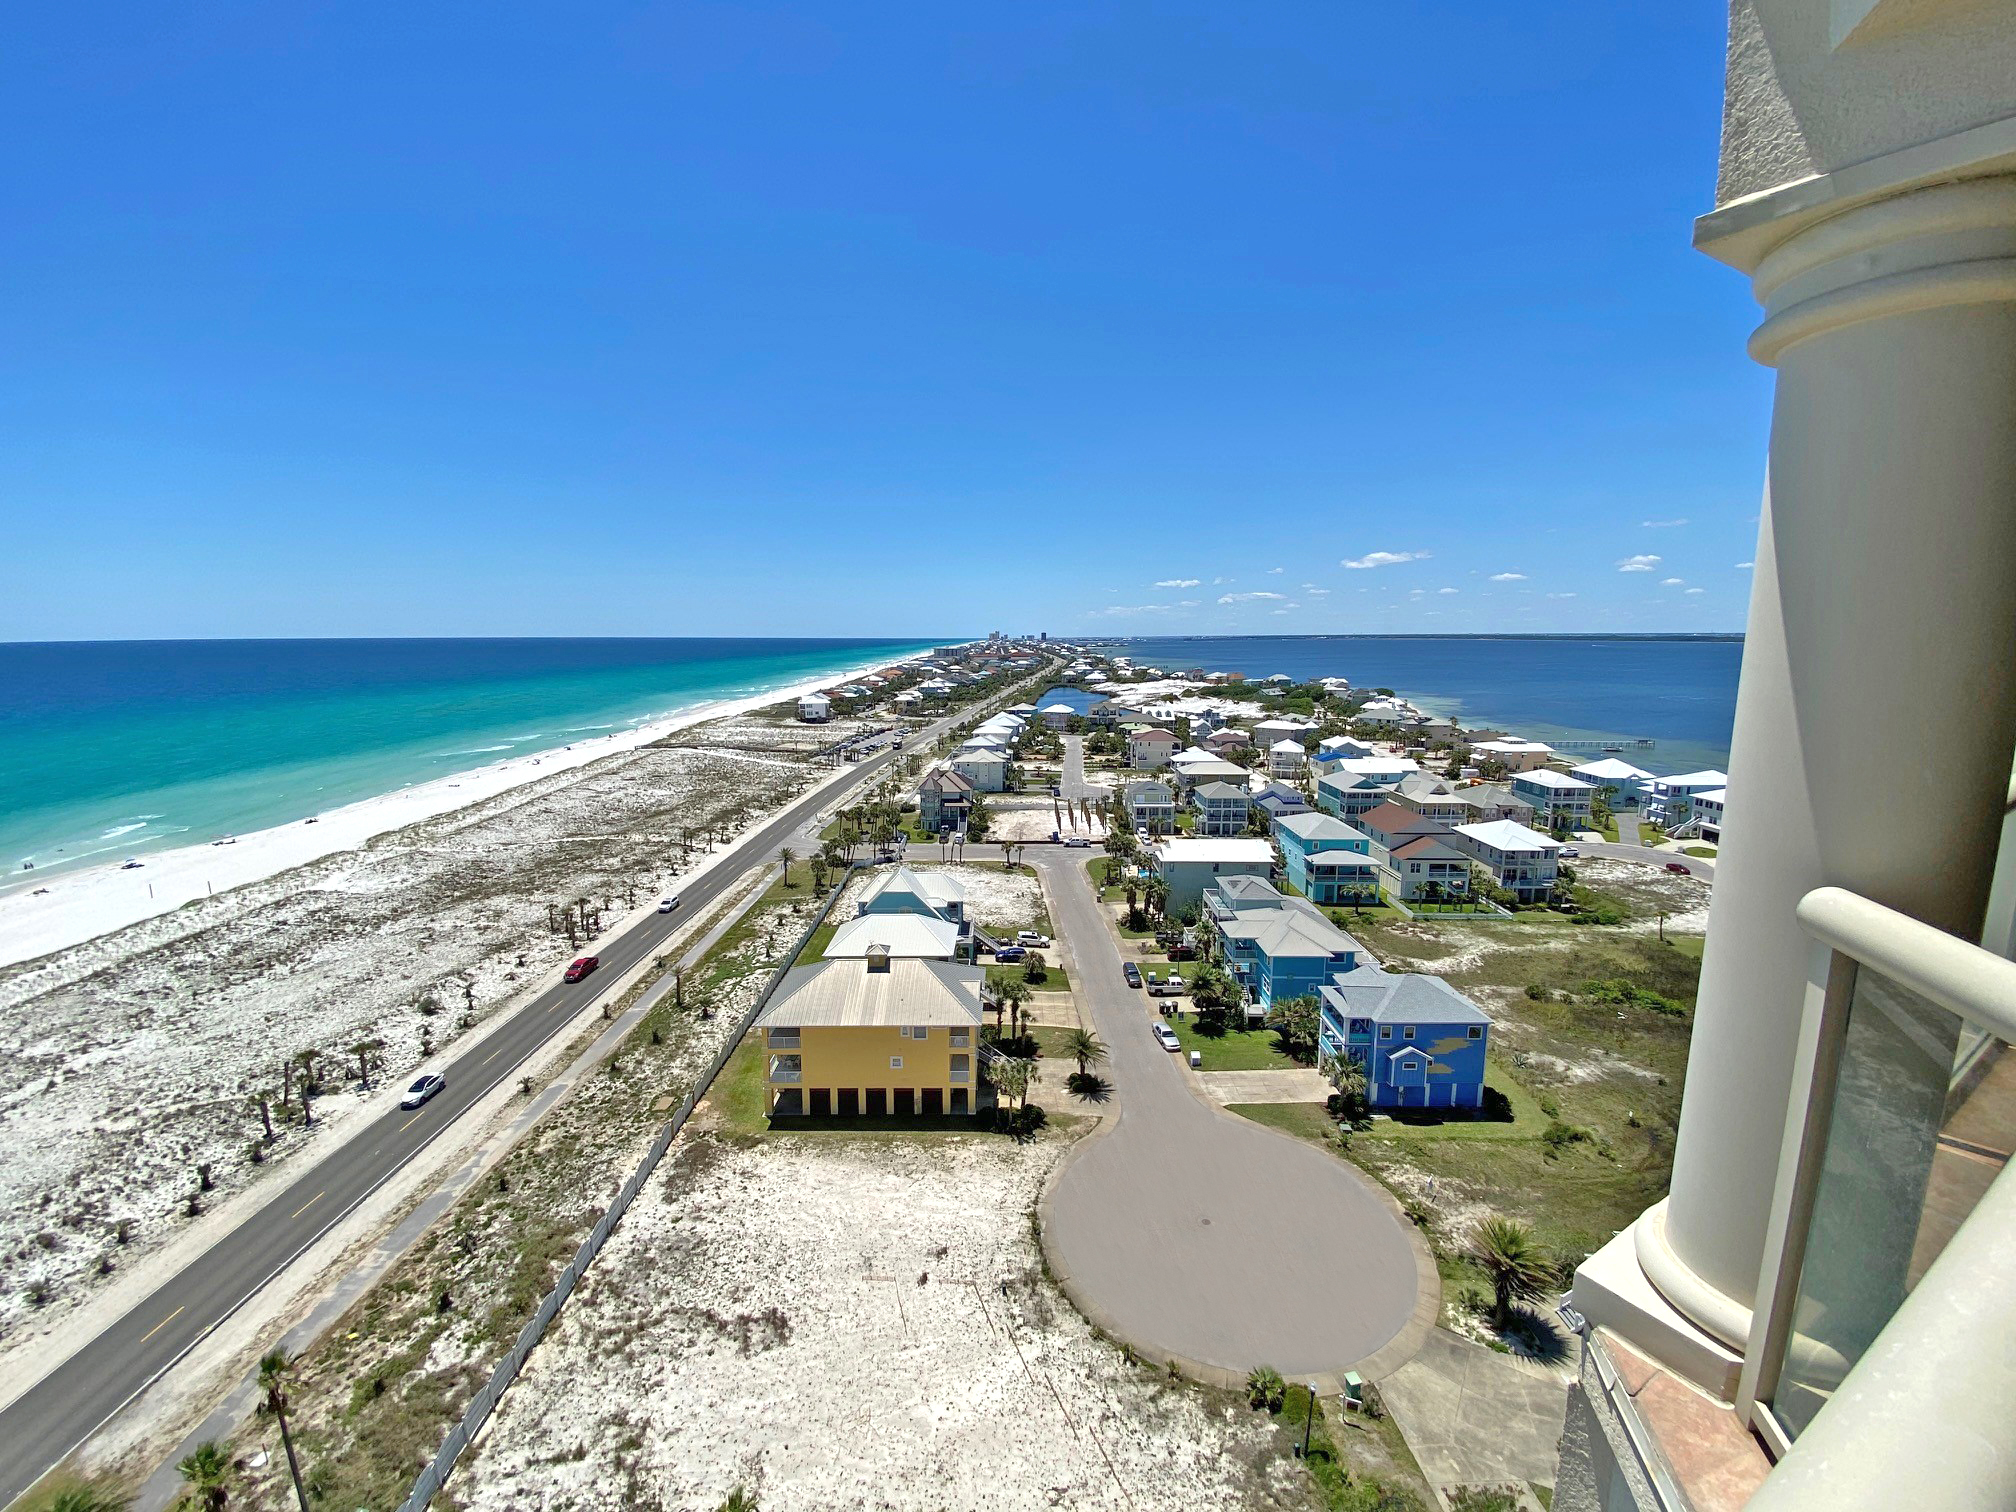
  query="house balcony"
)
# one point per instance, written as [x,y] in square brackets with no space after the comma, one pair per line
[786,1069]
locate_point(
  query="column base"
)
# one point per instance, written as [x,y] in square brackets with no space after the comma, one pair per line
[1611,1289]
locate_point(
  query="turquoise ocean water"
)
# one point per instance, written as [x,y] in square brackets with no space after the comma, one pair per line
[1677,691]
[114,748]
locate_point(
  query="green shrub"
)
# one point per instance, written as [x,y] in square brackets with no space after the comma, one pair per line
[1265,1388]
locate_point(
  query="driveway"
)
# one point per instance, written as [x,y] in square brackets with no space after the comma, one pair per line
[1474,1417]
[1201,1237]
[1073,783]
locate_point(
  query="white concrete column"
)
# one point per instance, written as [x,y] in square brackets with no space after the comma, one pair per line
[1874,725]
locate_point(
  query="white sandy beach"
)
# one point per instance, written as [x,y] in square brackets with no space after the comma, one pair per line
[68,908]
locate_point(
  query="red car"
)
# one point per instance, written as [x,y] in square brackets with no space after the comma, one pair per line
[582,967]
[1681,867]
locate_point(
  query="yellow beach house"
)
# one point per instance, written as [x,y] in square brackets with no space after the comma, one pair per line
[873,1037]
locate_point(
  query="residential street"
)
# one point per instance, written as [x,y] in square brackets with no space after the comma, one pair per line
[1194,1233]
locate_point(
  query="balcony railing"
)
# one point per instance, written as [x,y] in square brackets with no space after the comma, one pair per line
[1880,1362]
[786,1068]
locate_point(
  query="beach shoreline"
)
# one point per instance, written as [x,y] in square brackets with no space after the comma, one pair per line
[41,915]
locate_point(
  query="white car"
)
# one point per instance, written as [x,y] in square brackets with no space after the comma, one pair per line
[1031,937]
[421,1090]
[1166,1037]
[1077,842]
[666,905]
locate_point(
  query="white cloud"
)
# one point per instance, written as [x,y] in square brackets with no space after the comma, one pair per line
[1383,559]
[1313,591]
[1179,582]
[1241,598]
[1639,563]
[1272,570]
[1663,524]
[1130,609]
[1672,582]
[1447,590]
[1280,611]
[1224,580]
[1560,595]
[1508,577]
[1697,590]
[1189,604]
[1745,566]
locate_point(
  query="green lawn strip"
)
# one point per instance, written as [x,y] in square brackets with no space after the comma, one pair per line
[1303,1120]
[1054,978]
[1705,852]
[1241,1050]
[815,948]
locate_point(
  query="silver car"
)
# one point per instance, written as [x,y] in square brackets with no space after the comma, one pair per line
[421,1090]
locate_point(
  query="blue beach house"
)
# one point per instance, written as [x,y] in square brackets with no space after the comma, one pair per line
[1326,860]
[1276,947]
[1421,1042]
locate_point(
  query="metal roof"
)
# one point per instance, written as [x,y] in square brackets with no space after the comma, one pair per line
[841,994]
[904,936]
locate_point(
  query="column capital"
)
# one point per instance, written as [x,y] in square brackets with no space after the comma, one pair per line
[1946,244]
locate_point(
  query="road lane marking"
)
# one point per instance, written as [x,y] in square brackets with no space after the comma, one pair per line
[161,1325]
[493,1055]
[307,1205]
[412,1121]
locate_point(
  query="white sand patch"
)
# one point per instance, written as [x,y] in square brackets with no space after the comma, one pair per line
[852,1325]
[995,899]
[1454,1208]
[1650,891]
[1600,1066]
[126,1062]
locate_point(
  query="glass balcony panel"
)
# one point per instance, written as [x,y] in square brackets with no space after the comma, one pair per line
[786,1068]
[1924,1119]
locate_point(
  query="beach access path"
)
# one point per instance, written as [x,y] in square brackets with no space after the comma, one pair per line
[46,1423]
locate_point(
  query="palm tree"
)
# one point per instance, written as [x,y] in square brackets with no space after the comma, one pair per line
[1085,1047]
[1519,1268]
[273,1371]
[1014,992]
[1011,1076]
[263,1103]
[787,856]
[208,1470]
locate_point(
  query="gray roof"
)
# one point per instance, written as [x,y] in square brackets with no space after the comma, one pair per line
[1148,790]
[839,994]
[1316,826]
[1222,791]
[1400,997]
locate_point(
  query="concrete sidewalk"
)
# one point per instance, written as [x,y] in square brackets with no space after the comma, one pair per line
[1474,1417]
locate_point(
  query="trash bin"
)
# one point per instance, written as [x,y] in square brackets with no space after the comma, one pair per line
[1196,1061]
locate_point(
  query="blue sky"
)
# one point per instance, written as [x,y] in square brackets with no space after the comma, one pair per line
[868,318]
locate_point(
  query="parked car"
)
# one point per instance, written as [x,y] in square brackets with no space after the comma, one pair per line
[1133,973]
[1166,1037]
[582,967]
[1010,953]
[666,905]
[421,1090]
[1032,939]
[1680,867]
[1077,842]
[1569,852]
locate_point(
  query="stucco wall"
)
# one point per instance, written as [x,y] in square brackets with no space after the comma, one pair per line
[1909,72]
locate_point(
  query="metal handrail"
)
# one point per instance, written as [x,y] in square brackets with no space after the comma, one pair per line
[1974,984]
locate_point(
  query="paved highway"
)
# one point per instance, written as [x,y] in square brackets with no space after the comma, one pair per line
[56,1415]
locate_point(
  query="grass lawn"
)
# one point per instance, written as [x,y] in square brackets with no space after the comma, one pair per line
[1054,979]
[1241,1050]
[1528,1119]
[1705,852]
[1347,918]
[719,966]
[815,948]
[1303,1120]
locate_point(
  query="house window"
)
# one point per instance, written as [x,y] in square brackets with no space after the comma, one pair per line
[1476,1031]
[1408,1032]
[920,1032]
[903,1030]
[1385,1031]
[962,1038]
[895,1063]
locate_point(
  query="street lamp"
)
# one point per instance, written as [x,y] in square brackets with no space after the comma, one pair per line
[1309,1422]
